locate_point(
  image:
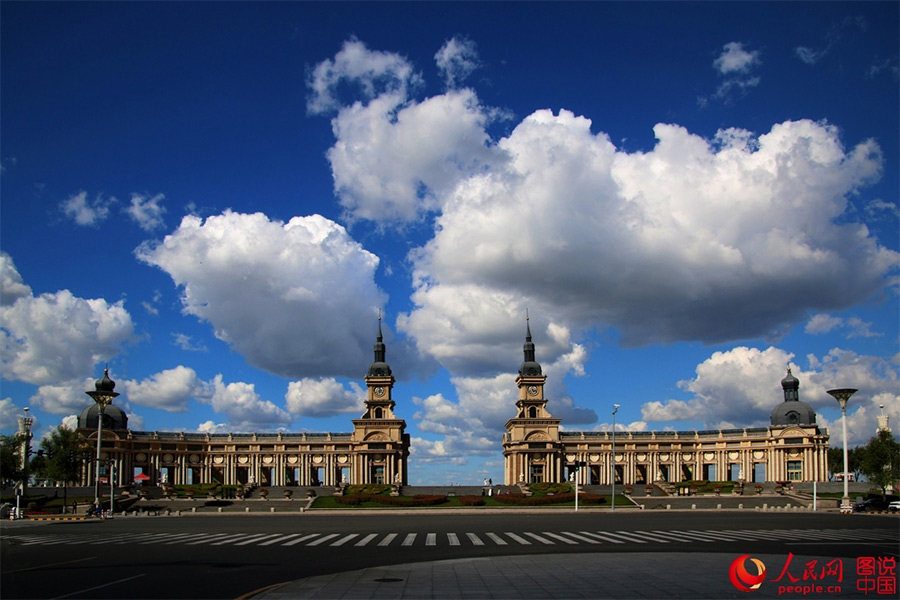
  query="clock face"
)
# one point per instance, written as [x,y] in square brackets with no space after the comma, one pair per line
[532,389]
[379,391]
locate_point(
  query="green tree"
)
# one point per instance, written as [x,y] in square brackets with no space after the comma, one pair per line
[836,460]
[58,459]
[854,459]
[880,461]
[10,460]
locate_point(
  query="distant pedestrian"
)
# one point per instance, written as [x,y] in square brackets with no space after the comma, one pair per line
[490,482]
[485,481]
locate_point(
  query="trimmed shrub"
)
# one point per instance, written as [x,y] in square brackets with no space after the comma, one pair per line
[471,500]
[368,489]
[420,500]
[543,488]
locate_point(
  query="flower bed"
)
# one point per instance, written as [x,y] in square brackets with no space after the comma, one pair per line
[421,500]
[471,500]
[369,489]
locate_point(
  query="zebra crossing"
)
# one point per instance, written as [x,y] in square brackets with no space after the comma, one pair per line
[434,539]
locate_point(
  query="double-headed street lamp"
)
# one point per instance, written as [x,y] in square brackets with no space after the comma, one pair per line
[103,395]
[842,395]
[613,460]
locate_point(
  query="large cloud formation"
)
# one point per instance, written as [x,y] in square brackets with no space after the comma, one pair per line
[695,240]
[711,240]
[169,390]
[57,336]
[295,298]
[394,158]
[735,388]
[735,237]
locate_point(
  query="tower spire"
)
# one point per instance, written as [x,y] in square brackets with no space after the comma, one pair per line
[529,345]
[529,365]
[379,366]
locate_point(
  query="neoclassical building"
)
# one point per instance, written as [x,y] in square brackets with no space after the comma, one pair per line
[792,448]
[376,451]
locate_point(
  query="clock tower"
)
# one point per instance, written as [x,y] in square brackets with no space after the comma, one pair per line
[531,445]
[380,439]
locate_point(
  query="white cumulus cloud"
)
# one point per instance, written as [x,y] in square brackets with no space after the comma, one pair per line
[12,287]
[85,211]
[168,390]
[64,397]
[57,337]
[394,164]
[718,240]
[739,387]
[244,408]
[394,157]
[368,72]
[711,240]
[323,398]
[742,386]
[295,298]
[456,60]
[735,59]
[147,211]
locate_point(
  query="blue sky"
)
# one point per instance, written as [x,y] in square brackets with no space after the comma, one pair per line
[218,199]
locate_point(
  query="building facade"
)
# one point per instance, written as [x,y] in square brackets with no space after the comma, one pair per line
[792,448]
[377,451]
[535,448]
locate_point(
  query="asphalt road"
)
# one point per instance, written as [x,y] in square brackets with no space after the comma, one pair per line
[230,556]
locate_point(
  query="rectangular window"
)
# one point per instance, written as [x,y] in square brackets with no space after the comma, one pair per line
[795,470]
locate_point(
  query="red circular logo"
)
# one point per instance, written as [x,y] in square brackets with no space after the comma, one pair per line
[741,578]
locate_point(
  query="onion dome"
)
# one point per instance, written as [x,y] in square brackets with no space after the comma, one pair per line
[790,385]
[792,411]
[105,384]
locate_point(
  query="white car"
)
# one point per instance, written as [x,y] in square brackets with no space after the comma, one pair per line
[895,505]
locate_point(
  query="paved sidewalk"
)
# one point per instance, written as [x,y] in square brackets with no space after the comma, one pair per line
[588,575]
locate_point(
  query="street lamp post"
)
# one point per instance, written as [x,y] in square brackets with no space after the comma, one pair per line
[842,395]
[613,459]
[103,395]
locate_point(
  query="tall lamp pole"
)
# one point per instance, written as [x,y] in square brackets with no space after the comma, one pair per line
[613,459]
[103,395]
[842,395]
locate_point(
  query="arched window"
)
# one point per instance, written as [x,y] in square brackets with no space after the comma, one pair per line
[532,412]
[378,412]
